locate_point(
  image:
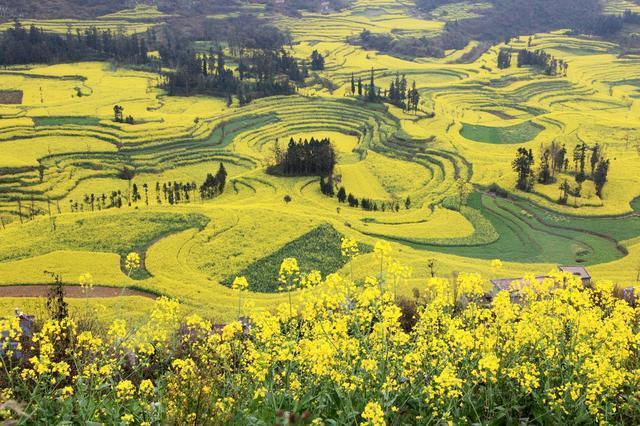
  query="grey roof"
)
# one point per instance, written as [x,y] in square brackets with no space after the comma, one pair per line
[579,271]
[505,283]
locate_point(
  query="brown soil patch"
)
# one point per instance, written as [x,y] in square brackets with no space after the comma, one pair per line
[11,97]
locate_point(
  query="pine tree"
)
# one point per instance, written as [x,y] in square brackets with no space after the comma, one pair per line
[595,158]
[373,94]
[221,178]
[565,189]
[342,194]
[544,176]
[600,176]
[523,166]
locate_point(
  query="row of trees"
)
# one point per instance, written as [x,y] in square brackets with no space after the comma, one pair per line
[554,159]
[314,157]
[21,46]
[328,188]
[398,93]
[166,193]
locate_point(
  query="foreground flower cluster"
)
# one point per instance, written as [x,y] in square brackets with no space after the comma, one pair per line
[353,353]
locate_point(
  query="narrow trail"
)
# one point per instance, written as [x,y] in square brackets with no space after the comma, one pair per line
[98,292]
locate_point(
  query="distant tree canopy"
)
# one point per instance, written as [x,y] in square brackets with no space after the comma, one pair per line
[264,67]
[607,25]
[510,18]
[409,46]
[19,45]
[293,7]
[314,157]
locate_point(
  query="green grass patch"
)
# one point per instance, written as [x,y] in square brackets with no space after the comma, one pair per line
[318,249]
[100,232]
[529,233]
[523,132]
[66,121]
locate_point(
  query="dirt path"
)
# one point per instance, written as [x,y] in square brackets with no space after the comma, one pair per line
[69,291]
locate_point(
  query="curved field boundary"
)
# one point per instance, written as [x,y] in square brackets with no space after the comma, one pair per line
[98,292]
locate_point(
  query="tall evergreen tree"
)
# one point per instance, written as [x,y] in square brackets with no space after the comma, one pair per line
[600,176]
[373,93]
[523,166]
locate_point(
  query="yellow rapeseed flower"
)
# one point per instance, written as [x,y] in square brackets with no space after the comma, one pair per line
[132,262]
[373,414]
[240,283]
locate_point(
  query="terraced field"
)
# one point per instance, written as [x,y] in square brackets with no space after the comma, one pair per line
[60,145]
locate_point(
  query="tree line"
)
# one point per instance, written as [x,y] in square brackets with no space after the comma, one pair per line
[21,46]
[588,163]
[264,66]
[328,188]
[170,193]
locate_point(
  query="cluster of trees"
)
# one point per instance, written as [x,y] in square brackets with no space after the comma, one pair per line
[264,67]
[542,60]
[21,46]
[314,157]
[317,61]
[398,93]
[409,45]
[504,58]
[214,184]
[589,162]
[260,73]
[118,115]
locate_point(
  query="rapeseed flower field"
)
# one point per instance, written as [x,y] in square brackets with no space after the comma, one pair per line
[544,351]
